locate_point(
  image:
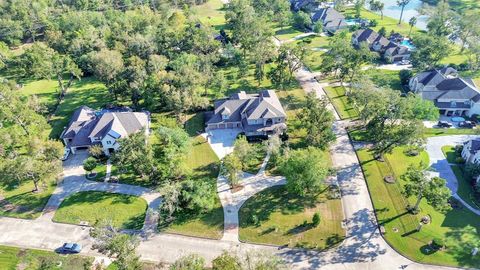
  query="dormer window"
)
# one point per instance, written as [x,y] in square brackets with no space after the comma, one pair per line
[453,104]
[226,114]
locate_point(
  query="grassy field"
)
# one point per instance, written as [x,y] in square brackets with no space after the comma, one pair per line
[17,199]
[458,227]
[204,166]
[12,258]
[125,211]
[337,96]
[274,216]
[211,13]
[286,33]
[385,78]
[433,132]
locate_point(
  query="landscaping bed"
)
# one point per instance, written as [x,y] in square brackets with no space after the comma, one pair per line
[125,211]
[276,217]
[458,227]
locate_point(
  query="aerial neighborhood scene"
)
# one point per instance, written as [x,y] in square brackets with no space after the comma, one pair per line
[239,134]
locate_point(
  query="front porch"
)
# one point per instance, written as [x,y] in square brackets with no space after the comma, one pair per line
[454,112]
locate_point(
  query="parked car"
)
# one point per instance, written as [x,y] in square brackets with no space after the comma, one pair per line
[405,62]
[66,153]
[71,248]
[466,124]
[444,124]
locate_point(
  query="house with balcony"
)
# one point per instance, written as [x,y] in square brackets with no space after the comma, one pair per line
[451,94]
[105,128]
[256,115]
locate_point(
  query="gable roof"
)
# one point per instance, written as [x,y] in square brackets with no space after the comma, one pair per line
[329,17]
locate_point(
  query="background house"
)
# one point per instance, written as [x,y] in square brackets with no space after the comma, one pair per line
[88,127]
[451,94]
[255,114]
[389,50]
[471,151]
[331,19]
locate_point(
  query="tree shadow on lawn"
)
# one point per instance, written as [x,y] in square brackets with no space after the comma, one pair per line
[465,240]
[135,222]
[274,199]
[88,197]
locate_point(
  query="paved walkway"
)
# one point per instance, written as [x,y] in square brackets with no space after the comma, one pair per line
[442,168]
[233,201]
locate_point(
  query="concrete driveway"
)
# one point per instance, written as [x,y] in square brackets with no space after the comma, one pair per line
[439,162]
[222,140]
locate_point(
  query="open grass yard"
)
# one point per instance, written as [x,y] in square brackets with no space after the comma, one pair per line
[276,217]
[125,211]
[211,13]
[17,199]
[450,153]
[286,33]
[317,46]
[204,166]
[12,258]
[385,78]
[458,227]
[337,96]
[433,132]
[45,90]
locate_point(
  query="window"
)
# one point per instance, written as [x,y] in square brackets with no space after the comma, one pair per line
[109,142]
[453,103]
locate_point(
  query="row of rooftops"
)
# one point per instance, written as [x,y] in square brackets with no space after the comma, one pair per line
[372,38]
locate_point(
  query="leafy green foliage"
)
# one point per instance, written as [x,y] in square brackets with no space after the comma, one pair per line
[318,121]
[189,262]
[89,164]
[305,171]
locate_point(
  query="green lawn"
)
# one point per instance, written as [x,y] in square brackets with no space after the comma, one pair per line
[204,166]
[465,189]
[450,153]
[45,90]
[17,199]
[211,13]
[337,96]
[125,211]
[385,78]
[276,217]
[433,132]
[12,258]
[286,33]
[458,227]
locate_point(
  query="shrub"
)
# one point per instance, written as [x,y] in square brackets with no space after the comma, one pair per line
[89,164]
[405,75]
[316,219]
[459,160]
[459,149]
[373,23]
[438,243]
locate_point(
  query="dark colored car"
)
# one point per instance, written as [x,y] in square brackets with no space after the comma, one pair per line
[444,124]
[466,124]
[71,248]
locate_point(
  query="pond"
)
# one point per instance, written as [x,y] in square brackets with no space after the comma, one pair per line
[411,10]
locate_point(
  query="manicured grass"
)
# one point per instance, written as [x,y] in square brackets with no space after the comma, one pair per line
[286,33]
[101,171]
[434,132]
[17,199]
[125,211]
[204,166]
[459,227]
[385,78]
[465,188]
[450,153]
[281,219]
[337,96]
[12,258]
[45,90]
[211,13]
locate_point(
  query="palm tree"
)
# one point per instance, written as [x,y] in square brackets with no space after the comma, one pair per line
[377,6]
[412,22]
[402,4]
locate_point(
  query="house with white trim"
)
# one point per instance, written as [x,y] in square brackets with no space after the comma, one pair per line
[88,127]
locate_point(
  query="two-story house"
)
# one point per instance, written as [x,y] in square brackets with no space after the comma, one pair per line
[451,94]
[331,19]
[88,127]
[255,114]
[471,151]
